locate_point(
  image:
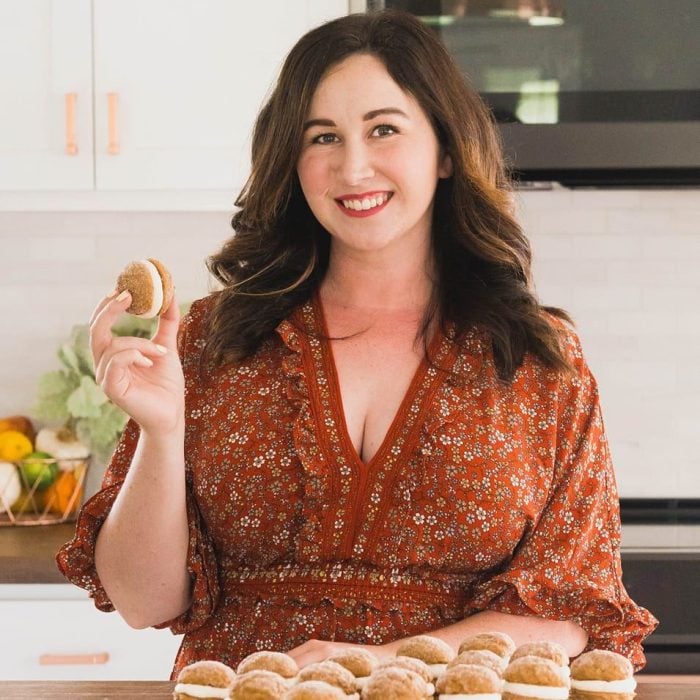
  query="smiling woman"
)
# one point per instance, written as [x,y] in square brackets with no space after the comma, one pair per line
[374,430]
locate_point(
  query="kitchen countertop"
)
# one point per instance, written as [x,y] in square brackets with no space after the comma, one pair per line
[163,690]
[27,552]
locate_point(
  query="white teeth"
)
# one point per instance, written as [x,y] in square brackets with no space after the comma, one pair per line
[364,204]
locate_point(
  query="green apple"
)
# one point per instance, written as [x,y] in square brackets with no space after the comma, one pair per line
[38,469]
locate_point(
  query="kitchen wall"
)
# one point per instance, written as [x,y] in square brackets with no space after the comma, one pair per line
[625,264]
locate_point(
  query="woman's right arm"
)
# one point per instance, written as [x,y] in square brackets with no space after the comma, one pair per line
[141,548]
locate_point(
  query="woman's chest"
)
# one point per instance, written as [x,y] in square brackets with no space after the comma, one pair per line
[374,376]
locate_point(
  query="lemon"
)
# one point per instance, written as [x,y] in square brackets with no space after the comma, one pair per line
[14,445]
[39,470]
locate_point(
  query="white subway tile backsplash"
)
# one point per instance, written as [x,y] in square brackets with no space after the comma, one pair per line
[633,222]
[643,323]
[551,247]
[567,221]
[686,221]
[671,247]
[589,246]
[612,297]
[645,272]
[568,271]
[56,248]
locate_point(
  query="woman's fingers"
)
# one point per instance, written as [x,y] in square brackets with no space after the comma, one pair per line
[115,371]
[101,304]
[104,316]
[126,346]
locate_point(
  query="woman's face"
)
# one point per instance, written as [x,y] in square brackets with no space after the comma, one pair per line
[370,159]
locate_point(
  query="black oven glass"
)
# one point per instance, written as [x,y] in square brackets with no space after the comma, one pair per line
[556,61]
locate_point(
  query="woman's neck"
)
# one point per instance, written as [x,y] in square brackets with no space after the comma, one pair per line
[369,282]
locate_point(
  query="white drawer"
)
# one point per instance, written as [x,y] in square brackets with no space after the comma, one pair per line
[72,640]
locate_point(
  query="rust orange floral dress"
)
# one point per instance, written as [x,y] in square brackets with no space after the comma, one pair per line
[483,495]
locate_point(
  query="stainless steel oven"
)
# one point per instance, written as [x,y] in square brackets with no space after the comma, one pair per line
[661,571]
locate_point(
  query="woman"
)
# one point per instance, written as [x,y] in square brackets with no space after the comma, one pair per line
[374,430]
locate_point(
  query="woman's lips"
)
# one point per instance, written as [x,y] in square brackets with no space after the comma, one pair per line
[359,200]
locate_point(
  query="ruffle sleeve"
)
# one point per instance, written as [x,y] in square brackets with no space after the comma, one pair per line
[567,566]
[76,559]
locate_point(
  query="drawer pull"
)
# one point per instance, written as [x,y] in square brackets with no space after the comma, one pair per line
[112,128]
[73,659]
[71,143]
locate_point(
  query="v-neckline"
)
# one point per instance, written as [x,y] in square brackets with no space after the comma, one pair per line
[336,396]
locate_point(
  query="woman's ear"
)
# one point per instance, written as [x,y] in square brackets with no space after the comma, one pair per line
[445,168]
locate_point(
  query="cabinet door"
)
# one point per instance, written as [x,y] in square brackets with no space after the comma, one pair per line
[72,640]
[178,85]
[45,95]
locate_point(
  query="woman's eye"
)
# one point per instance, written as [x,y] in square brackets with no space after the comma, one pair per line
[323,138]
[385,130]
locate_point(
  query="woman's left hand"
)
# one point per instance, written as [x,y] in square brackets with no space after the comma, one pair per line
[315,650]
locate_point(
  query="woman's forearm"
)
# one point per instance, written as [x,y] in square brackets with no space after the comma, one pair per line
[141,548]
[522,629]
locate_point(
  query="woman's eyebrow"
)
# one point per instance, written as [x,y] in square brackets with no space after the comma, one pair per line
[370,115]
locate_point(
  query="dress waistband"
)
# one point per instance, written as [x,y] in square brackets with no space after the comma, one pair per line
[347,580]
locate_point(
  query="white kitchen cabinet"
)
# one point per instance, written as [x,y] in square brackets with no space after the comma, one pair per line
[161,95]
[45,60]
[54,632]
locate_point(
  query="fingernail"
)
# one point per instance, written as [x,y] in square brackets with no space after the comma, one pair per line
[145,361]
[161,348]
[122,296]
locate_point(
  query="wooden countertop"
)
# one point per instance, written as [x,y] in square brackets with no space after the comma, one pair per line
[27,552]
[163,690]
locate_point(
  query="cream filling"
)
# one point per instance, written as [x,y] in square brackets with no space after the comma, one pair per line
[437,669]
[361,681]
[366,203]
[469,696]
[545,692]
[623,686]
[157,302]
[201,691]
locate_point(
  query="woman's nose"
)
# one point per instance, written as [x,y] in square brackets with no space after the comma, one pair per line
[355,163]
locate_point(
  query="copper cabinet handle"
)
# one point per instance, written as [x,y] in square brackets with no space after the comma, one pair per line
[74,659]
[113,132]
[71,142]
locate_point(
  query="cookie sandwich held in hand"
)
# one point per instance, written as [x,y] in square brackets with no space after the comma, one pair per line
[150,285]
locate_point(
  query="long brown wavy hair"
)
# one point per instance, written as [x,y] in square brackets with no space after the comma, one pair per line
[279,253]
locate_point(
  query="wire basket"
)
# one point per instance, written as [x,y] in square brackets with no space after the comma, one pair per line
[42,491]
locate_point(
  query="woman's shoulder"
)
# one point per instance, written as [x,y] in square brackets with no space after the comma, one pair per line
[194,324]
[198,313]
[569,339]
